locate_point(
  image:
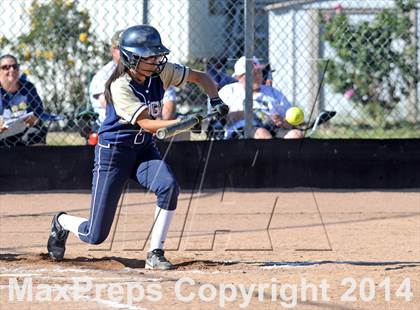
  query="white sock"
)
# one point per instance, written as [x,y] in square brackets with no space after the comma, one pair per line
[163,219]
[70,222]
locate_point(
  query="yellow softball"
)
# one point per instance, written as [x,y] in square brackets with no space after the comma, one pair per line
[294,116]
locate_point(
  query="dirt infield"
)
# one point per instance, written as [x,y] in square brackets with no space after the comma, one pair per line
[251,250]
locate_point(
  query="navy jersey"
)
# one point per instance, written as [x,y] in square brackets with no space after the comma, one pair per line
[26,99]
[130,99]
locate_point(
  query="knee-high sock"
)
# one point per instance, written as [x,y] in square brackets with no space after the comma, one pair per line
[163,219]
[70,222]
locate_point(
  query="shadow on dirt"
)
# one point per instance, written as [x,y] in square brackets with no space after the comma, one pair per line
[102,262]
[116,262]
[9,257]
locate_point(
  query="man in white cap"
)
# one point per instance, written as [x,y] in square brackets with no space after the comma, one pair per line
[269,105]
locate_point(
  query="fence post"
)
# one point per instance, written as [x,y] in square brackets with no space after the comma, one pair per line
[315,54]
[249,53]
[145,20]
[413,114]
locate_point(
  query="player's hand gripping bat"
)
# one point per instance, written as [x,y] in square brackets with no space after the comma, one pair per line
[184,125]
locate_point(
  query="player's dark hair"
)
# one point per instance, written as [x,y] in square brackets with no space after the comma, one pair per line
[118,71]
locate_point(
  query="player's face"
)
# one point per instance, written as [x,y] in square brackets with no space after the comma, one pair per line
[9,71]
[148,65]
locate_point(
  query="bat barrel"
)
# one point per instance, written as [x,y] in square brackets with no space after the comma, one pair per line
[161,133]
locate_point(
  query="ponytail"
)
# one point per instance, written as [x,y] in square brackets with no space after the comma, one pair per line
[118,71]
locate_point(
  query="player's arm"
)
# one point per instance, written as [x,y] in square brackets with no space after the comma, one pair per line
[152,125]
[129,108]
[178,75]
[204,80]
[210,87]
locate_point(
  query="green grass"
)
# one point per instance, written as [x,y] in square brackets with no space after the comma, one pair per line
[328,131]
[400,131]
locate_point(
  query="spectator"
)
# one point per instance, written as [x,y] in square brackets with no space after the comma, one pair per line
[267,75]
[18,97]
[97,86]
[269,105]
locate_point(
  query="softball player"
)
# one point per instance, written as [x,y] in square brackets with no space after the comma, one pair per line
[126,148]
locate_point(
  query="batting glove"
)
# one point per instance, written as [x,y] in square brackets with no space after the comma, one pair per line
[221,108]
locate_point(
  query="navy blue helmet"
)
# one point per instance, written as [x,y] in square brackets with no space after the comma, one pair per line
[139,42]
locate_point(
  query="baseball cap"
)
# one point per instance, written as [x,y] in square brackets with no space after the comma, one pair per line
[241,63]
[115,40]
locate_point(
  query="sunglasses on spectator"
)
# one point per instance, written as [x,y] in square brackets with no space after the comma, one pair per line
[7,67]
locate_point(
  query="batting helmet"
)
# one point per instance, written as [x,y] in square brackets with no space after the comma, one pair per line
[139,42]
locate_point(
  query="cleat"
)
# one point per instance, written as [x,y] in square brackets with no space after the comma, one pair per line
[57,240]
[156,260]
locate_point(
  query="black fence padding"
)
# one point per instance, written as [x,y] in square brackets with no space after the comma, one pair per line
[41,168]
[325,164]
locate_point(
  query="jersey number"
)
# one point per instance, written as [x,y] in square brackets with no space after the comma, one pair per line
[155,109]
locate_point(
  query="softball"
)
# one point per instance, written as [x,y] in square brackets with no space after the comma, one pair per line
[294,116]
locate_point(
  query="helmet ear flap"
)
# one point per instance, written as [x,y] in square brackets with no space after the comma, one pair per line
[129,60]
[134,61]
[161,65]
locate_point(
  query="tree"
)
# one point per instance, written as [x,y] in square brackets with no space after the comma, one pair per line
[375,63]
[61,53]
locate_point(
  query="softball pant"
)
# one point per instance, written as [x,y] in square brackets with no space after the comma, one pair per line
[114,165]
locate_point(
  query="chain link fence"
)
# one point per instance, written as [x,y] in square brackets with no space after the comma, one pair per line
[363,56]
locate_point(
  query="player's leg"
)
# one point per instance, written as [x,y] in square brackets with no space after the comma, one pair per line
[155,175]
[111,171]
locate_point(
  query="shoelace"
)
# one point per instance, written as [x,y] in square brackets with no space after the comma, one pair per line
[61,235]
[160,255]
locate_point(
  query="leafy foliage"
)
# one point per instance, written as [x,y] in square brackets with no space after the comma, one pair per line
[60,52]
[376,61]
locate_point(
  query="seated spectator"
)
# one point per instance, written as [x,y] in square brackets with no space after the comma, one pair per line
[19,97]
[97,86]
[267,75]
[216,70]
[269,106]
